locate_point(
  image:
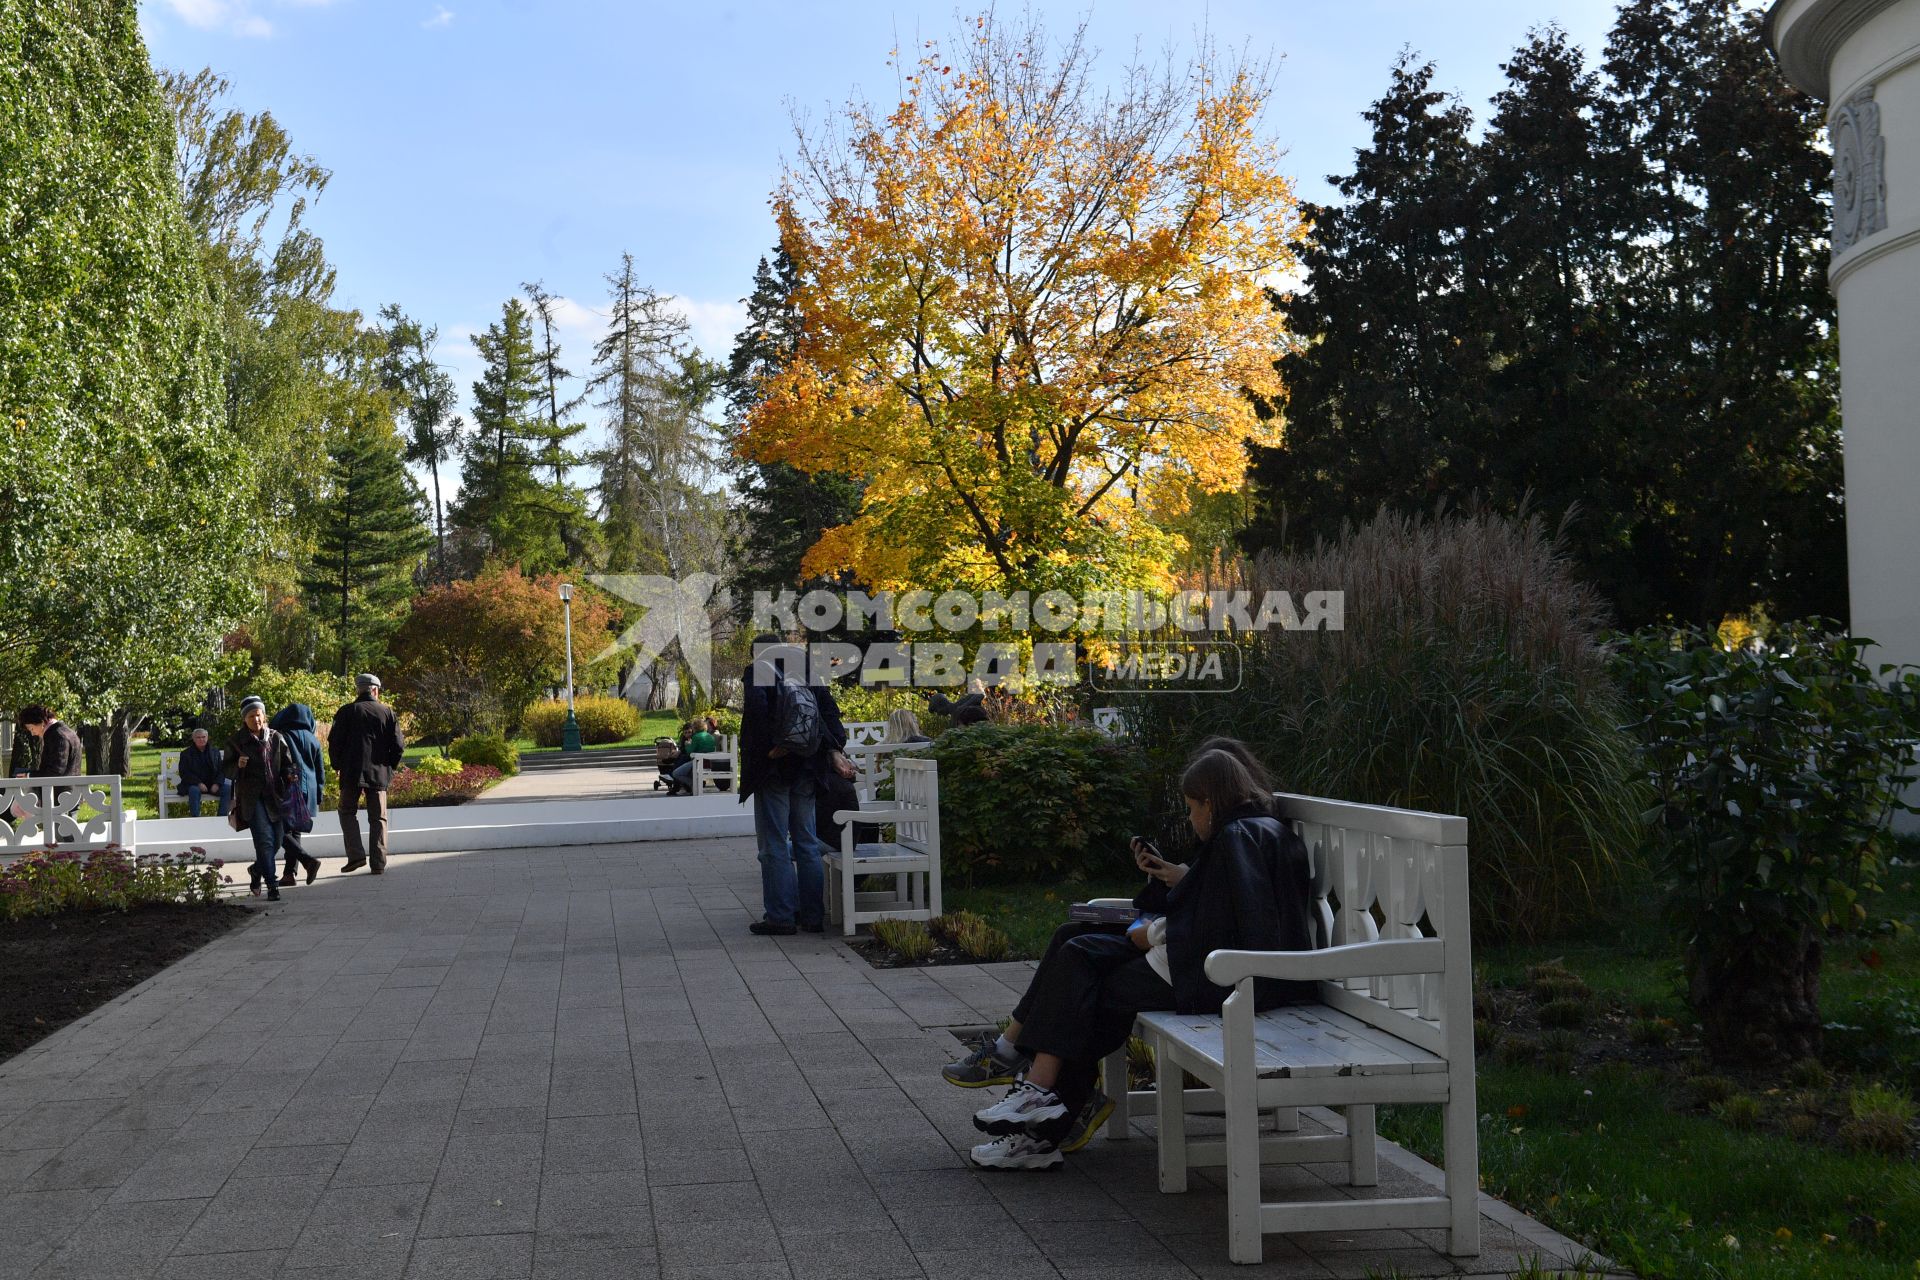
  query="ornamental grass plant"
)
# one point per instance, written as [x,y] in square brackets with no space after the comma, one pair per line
[48,881]
[1469,677]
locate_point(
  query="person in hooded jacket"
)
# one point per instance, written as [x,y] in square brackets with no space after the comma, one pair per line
[295,724]
[1247,888]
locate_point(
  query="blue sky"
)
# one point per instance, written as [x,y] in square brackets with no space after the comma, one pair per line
[476,144]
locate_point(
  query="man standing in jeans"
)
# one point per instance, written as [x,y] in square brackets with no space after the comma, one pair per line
[792,881]
[363,747]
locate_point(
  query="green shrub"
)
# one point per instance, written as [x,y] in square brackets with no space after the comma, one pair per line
[1709,1090]
[412,789]
[601,720]
[1035,803]
[1564,1012]
[1741,1111]
[46,881]
[907,939]
[1651,1032]
[1774,771]
[1880,1120]
[1517,1050]
[436,766]
[1559,1050]
[860,702]
[1468,677]
[1809,1073]
[488,749]
[981,941]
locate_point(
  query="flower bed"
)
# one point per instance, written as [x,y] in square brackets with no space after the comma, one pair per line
[414,789]
[48,881]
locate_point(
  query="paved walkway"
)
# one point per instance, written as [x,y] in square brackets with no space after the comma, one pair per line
[611,773]
[574,1063]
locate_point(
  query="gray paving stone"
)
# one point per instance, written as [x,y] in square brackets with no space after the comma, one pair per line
[253,1264]
[491,1257]
[122,1240]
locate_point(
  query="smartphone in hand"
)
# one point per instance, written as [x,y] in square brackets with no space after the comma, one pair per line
[1146,856]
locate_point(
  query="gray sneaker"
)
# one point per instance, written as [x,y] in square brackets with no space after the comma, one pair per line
[983,1068]
[1098,1109]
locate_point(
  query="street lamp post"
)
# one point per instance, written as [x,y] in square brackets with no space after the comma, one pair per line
[570,736]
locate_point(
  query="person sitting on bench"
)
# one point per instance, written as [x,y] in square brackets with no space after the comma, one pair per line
[1247,888]
[200,775]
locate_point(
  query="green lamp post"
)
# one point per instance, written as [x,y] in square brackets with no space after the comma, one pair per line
[570,736]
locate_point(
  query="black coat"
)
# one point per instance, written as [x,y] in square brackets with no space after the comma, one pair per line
[759,722]
[1247,889]
[264,777]
[364,746]
[200,765]
[60,753]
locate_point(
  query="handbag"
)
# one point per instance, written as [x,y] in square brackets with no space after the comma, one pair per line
[295,813]
[234,819]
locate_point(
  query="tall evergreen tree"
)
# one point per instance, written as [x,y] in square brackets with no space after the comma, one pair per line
[1388,381]
[424,391]
[556,431]
[657,505]
[784,510]
[500,500]
[1732,317]
[371,535]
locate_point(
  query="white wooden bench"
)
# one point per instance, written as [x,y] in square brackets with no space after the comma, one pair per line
[865,732]
[912,857]
[165,782]
[1112,721]
[872,765]
[711,768]
[1393,1024]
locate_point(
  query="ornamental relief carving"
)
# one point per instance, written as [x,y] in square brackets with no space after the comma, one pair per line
[1859,171]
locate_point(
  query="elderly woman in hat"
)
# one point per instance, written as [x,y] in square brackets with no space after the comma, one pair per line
[261,765]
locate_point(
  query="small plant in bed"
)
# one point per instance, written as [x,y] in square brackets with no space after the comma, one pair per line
[414,788]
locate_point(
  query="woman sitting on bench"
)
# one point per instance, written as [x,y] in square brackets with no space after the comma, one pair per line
[1248,888]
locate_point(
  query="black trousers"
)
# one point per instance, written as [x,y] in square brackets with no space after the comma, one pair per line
[1080,1007]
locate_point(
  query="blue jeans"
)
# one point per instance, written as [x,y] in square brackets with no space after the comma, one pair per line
[683,776]
[267,833]
[792,884]
[193,791]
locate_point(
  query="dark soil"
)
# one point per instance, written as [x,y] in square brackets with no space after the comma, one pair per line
[880,956]
[58,968]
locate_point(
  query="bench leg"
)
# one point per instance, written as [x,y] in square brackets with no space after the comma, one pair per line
[1462,1175]
[1286,1119]
[1114,1084]
[1170,1119]
[1363,1168]
[1243,1169]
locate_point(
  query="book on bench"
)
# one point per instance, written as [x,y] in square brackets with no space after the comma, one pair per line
[1100,913]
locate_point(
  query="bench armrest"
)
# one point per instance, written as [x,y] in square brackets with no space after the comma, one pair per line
[879,812]
[1110,902]
[1355,960]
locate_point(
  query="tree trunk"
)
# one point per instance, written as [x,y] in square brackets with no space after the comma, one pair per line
[1758,998]
[93,747]
[120,743]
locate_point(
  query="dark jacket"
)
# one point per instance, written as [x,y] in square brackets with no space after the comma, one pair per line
[60,753]
[364,744]
[200,765]
[833,737]
[269,766]
[759,723]
[1247,889]
[295,724]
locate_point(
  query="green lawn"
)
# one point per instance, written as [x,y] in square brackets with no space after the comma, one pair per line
[1029,913]
[1627,1160]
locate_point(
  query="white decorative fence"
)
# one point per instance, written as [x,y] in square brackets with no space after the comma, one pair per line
[37,812]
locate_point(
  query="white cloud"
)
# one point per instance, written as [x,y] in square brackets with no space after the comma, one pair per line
[237,17]
[713,325]
[442,17]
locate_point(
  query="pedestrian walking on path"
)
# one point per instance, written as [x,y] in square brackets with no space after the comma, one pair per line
[365,747]
[262,767]
[295,724]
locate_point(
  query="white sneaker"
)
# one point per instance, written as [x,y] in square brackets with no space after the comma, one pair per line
[1024,1106]
[1018,1151]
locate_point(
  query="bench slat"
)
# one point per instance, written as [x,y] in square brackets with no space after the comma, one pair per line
[1301,1040]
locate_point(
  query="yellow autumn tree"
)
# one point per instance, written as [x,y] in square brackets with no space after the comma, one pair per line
[1034,314]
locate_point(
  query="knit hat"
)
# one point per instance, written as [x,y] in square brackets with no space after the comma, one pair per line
[251,701]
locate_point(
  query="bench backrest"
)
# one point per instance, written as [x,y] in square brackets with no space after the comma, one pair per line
[1408,869]
[50,807]
[169,768]
[861,733]
[872,764]
[1111,721]
[916,789]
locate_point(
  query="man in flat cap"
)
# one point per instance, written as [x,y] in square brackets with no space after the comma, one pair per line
[364,746]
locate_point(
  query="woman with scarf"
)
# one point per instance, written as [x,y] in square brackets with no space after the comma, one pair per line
[260,762]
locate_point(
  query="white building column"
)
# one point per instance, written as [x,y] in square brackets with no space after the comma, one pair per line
[1862,58]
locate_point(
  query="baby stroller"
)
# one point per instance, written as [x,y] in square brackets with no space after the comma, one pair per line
[666,754]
